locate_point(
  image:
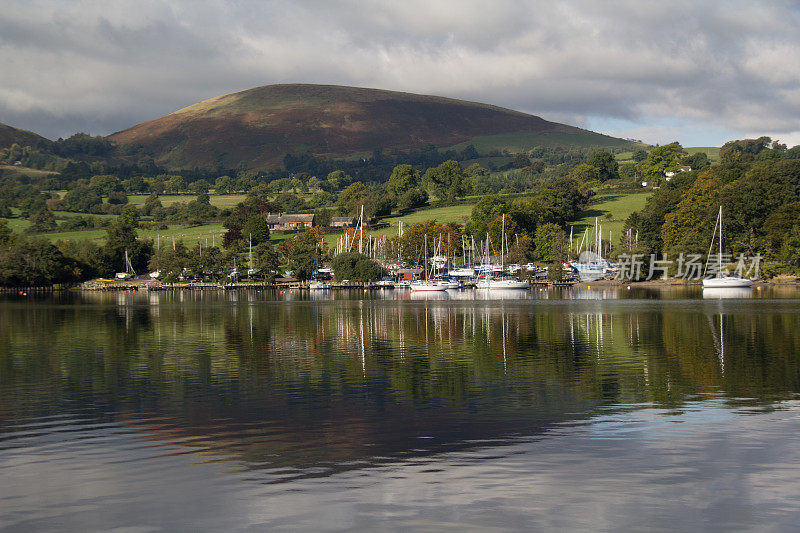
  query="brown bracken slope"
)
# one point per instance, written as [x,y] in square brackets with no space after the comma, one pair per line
[10,135]
[259,126]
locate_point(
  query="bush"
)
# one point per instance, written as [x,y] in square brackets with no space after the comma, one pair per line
[356,266]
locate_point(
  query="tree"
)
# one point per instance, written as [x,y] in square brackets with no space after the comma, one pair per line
[521,249]
[134,185]
[170,261]
[200,186]
[483,213]
[447,181]
[792,153]
[697,161]
[778,225]
[42,221]
[177,184]
[412,244]
[627,170]
[689,227]
[223,185]
[660,160]
[256,228]
[403,179]
[33,262]
[6,235]
[298,186]
[584,173]
[356,266]
[81,200]
[265,259]
[412,198]
[121,236]
[151,203]
[379,205]
[352,198]
[549,243]
[790,250]
[606,165]
[338,180]
[117,198]
[521,160]
[300,252]
[498,225]
[743,150]
[105,184]
[639,155]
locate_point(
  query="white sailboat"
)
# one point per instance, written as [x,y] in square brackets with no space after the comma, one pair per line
[129,271]
[720,281]
[503,283]
[427,285]
[252,270]
[317,284]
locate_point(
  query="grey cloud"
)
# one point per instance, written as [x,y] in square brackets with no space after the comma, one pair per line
[104,67]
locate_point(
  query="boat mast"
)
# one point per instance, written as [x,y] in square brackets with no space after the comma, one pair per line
[361,233]
[502,238]
[719,260]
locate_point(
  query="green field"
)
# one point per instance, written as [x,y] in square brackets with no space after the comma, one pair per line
[17,225]
[520,142]
[619,205]
[189,235]
[11,171]
[221,201]
[711,151]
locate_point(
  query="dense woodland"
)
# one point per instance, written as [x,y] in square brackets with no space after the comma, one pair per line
[535,193]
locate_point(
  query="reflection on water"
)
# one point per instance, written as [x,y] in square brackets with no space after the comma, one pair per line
[325,402]
[733,292]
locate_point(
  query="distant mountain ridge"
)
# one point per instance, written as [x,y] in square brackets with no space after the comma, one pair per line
[258,127]
[10,135]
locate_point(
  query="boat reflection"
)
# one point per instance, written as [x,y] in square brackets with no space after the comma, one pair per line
[726,293]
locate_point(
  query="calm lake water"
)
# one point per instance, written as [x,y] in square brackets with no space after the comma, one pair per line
[562,409]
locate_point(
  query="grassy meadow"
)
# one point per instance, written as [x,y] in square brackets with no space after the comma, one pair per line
[222,200]
[619,206]
[610,209]
[711,151]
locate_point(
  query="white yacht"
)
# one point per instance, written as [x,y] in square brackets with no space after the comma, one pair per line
[502,283]
[720,281]
[429,286]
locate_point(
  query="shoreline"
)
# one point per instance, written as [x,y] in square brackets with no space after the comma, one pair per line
[147,285]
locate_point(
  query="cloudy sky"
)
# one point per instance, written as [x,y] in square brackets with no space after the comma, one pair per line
[697,72]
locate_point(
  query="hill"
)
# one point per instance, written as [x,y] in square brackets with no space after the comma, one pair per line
[260,126]
[10,135]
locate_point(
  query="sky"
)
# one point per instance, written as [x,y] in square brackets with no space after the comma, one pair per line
[701,73]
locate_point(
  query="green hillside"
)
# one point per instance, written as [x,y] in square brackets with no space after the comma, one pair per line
[259,126]
[10,135]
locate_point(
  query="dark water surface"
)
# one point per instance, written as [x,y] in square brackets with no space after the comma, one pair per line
[573,409]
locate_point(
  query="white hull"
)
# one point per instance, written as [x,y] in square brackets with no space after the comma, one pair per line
[726,283]
[319,285]
[428,287]
[502,284]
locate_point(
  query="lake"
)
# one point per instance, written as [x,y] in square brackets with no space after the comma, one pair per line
[592,409]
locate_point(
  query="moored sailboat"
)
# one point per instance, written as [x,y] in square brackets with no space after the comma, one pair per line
[719,281]
[503,282]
